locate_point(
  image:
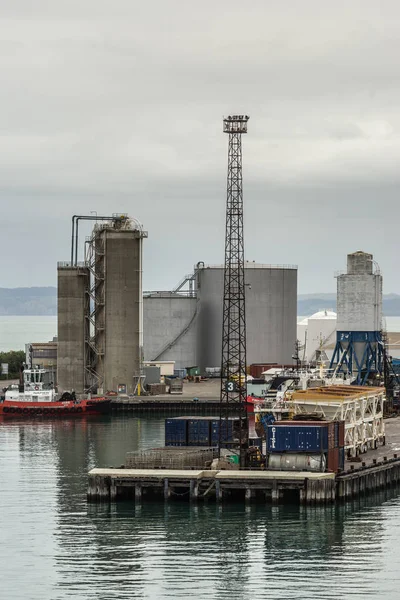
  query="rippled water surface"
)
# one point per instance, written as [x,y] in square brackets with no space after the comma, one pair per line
[54,546]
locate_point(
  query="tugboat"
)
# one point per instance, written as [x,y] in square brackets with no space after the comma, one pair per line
[36,397]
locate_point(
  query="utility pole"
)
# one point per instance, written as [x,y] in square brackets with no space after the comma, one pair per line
[233,363]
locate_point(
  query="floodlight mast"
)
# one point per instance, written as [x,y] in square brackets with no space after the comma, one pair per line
[233,363]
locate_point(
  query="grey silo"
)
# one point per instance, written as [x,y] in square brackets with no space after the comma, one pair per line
[359,295]
[359,345]
[118,322]
[73,286]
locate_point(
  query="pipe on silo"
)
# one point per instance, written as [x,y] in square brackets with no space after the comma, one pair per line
[141,305]
[72,239]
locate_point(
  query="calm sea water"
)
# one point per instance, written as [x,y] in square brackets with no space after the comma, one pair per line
[15,332]
[56,547]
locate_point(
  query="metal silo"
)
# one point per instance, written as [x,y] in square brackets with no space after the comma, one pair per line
[271,313]
[358,350]
[73,288]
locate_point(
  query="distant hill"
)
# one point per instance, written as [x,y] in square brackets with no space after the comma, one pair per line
[36,301]
[41,301]
[308,304]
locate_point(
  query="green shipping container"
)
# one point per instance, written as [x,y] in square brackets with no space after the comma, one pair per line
[192,371]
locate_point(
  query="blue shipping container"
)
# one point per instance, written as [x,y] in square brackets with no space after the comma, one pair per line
[341,458]
[181,373]
[176,432]
[227,431]
[297,438]
[199,432]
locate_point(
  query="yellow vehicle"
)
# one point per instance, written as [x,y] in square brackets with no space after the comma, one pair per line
[236,381]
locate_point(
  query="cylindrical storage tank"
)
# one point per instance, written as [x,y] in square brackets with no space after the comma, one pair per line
[170,328]
[297,462]
[321,328]
[271,314]
[72,324]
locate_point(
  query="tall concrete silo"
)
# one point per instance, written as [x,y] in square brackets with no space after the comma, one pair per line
[271,313]
[73,290]
[115,260]
[358,350]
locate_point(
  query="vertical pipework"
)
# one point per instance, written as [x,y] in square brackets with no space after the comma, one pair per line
[76,240]
[140,313]
[141,301]
[72,240]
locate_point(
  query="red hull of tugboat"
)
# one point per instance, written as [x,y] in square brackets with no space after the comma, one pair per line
[16,408]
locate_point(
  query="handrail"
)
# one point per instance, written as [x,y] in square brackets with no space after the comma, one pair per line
[251,265]
[180,334]
[167,294]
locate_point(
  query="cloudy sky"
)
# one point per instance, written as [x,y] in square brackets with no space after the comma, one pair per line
[117,105]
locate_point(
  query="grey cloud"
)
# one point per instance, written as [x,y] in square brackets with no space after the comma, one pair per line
[114,106]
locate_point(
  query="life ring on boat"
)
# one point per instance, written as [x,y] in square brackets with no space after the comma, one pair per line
[11,409]
[18,410]
[52,411]
[39,411]
[79,409]
[36,387]
[6,409]
[25,410]
[46,410]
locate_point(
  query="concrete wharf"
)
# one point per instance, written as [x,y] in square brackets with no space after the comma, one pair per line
[197,399]
[273,486]
[166,405]
[376,470]
[257,485]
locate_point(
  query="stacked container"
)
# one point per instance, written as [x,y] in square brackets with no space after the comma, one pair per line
[198,431]
[175,432]
[321,441]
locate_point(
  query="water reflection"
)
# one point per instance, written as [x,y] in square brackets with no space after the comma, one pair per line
[66,548]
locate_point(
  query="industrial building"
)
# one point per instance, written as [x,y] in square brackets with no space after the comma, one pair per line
[316,334]
[100,311]
[43,355]
[187,326]
[101,308]
[359,346]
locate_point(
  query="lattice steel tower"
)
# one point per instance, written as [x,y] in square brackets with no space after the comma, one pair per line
[233,364]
